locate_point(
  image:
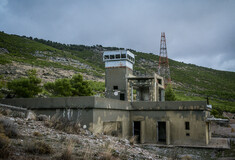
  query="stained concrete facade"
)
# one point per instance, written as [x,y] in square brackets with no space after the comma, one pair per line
[146,116]
[118,118]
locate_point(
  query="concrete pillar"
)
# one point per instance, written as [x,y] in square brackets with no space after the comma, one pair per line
[131,93]
[142,133]
[168,141]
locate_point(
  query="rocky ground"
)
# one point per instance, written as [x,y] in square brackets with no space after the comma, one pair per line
[47,74]
[84,145]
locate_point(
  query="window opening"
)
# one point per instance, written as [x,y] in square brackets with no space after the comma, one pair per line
[111,56]
[106,57]
[123,55]
[122,96]
[115,87]
[118,56]
[187,127]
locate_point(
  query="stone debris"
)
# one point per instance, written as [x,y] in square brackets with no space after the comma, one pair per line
[94,143]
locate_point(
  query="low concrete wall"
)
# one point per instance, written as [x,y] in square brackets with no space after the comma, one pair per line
[106,103]
[51,103]
[170,105]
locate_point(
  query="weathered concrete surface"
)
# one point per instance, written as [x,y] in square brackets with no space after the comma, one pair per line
[102,113]
[51,103]
[116,77]
[170,105]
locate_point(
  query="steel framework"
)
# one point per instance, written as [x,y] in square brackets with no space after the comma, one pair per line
[163,64]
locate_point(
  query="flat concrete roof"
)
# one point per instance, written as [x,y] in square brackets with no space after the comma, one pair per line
[102,103]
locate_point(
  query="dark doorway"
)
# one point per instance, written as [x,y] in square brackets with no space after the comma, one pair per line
[137,130]
[161,131]
[122,96]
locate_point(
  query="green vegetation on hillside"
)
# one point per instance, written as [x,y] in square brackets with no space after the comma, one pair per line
[25,87]
[65,87]
[190,82]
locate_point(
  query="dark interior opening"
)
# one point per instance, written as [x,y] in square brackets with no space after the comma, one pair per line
[137,131]
[160,94]
[162,131]
[187,126]
[159,81]
[122,96]
[115,87]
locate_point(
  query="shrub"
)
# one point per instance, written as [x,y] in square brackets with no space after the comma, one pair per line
[170,94]
[10,128]
[26,87]
[37,134]
[69,87]
[6,112]
[133,140]
[67,153]
[63,124]
[4,143]
[38,147]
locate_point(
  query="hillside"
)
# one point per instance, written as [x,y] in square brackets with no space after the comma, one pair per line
[53,60]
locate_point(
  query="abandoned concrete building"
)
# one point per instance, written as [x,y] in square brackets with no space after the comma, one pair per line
[134,106]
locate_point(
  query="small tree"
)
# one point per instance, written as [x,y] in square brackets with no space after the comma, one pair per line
[80,87]
[169,93]
[60,88]
[69,87]
[26,87]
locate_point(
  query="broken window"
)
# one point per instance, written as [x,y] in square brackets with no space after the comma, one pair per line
[122,96]
[111,56]
[106,57]
[187,134]
[159,81]
[117,56]
[123,55]
[129,57]
[187,127]
[115,87]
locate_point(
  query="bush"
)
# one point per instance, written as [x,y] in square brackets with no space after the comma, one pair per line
[4,143]
[67,153]
[25,87]
[38,147]
[133,140]
[4,146]
[170,94]
[10,128]
[75,86]
[37,134]
[64,124]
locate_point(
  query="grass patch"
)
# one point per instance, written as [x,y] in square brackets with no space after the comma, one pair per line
[38,147]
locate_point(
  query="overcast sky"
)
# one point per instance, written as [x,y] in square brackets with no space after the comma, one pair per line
[200,32]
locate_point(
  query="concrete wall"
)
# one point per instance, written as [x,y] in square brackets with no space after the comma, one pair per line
[103,115]
[99,112]
[51,103]
[116,77]
[170,105]
[111,104]
[176,131]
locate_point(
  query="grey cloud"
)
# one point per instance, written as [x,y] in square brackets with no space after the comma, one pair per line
[199,32]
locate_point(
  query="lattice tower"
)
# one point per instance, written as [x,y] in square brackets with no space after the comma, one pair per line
[163,64]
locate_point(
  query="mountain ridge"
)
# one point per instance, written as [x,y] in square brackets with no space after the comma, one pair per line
[191,82]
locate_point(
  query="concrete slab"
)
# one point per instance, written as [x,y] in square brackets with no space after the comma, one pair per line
[215,143]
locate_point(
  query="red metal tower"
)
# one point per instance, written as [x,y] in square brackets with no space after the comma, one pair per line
[163,64]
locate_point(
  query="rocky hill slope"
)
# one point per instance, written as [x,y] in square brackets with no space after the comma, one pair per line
[54,60]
